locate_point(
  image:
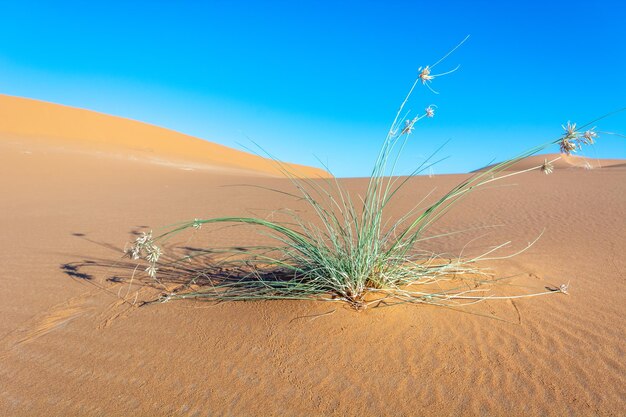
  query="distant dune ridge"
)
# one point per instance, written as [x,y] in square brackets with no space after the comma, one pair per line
[90,131]
[566,162]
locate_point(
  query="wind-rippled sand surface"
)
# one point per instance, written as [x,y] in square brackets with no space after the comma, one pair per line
[70,346]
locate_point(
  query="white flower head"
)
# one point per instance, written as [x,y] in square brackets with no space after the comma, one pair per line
[547,167]
[589,136]
[152,271]
[426,77]
[137,249]
[153,253]
[568,146]
[430,111]
[144,238]
[570,131]
[409,125]
[425,74]
[573,140]
[133,252]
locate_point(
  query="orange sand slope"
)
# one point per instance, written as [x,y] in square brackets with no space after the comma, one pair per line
[88,131]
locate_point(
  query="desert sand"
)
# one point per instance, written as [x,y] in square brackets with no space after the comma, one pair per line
[74,343]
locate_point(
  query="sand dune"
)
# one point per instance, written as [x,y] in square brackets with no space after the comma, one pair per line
[564,162]
[73,343]
[56,126]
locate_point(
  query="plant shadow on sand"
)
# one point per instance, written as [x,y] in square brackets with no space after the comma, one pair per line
[127,278]
[203,270]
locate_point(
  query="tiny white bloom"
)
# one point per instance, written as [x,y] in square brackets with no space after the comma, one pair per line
[547,167]
[570,130]
[425,74]
[589,136]
[567,146]
[409,126]
[153,253]
[152,271]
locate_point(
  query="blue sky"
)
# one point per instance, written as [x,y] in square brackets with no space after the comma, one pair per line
[315,79]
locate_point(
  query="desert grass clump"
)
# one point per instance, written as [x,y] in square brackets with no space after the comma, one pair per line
[351,251]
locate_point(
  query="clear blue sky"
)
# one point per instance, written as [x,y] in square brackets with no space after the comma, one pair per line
[316,78]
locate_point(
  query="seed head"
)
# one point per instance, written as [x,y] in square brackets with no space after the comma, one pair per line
[152,271]
[570,131]
[564,288]
[589,136]
[567,146]
[132,252]
[144,238]
[425,75]
[409,125]
[570,141]
[138,247]
[197,224]
[547,167]
[153,253]
[572,138]
[430,111]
